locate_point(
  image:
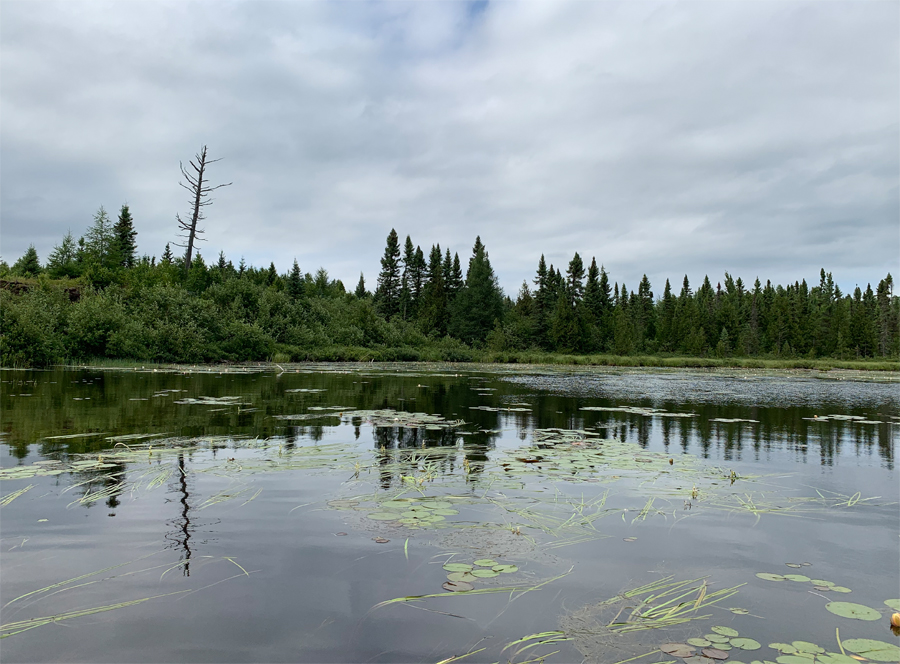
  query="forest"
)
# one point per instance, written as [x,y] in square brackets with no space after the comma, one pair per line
[96,298]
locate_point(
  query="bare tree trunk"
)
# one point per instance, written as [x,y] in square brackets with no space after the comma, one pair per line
[200,190]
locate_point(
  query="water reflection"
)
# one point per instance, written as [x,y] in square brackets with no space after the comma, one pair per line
[48,407]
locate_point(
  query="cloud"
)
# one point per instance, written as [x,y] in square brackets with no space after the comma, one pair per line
[662,138]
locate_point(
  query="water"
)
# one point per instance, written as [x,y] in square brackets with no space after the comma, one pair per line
[241,503]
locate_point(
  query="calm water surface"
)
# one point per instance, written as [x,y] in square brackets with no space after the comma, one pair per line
[255,515]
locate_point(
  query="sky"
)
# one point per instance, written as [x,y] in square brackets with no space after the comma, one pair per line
[662,138]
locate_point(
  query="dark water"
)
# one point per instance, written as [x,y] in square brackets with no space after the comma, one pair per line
[220,509]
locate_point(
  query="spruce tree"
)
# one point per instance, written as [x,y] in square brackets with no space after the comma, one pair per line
[361,291]
[167,256]
[28,265]
[124,244]
[295,281]
[387,294]
[480,302]
[409,265]
[574,280]
[433,305]
[100,240]
[63,260]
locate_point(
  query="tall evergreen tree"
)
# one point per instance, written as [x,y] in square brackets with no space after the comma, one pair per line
[28,264]
[361,291]
[295,281]
[433,306]
[100,240]
[409,265]
[63,260]
[167,256]
[480,302]
[387,294]
[125,244]
[575,280]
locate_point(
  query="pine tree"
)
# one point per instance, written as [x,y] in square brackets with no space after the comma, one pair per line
[574,280]
[124,244]
[409,265]
[63,260]
[480,302]
[361,291]
[28,265]
[100,240]
[433,305]
[387,294]
[167,256]
[295,282]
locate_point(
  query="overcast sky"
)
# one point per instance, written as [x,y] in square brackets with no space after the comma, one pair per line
[666,138]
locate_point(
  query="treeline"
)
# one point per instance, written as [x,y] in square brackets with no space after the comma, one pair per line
[425,306]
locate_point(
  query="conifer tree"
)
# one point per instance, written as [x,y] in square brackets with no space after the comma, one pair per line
[28,265]
[124,244]
[433,306]
[387,294]
[100,240]
[480,302]
[295,281]
[361,291]
[574,280]
[167,256]
[409,266]
[63,260]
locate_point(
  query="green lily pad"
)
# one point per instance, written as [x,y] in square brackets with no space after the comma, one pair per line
[456,577]
[851,610]
[457,567]
[699,642]
[437,505]
[485,562]
[485,573]
[739,612]
[893,603]
[725,631]
[836,658]
[505,569]
[820,582]
[746,644]
[807,647]
[799,578]
[396,504]
[716,638]
[383,516]
[877,651]
[785,648]
[840,589]
[445,512]
[793,659]
[770,577]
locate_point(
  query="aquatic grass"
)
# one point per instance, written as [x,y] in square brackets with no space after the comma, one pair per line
[8,498]
[13,628]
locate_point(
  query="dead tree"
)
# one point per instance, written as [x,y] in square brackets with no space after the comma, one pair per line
[200,191]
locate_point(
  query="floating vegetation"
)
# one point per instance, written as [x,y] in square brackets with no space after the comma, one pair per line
[8,498]
[819,584]
[638,410]
[212,401]
[851,610]
[877,651]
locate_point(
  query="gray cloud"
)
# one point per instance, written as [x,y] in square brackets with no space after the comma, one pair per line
[666,138]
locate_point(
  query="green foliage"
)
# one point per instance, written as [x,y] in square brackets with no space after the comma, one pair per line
[28,265]
[63,260]
[32,327]
[479,303]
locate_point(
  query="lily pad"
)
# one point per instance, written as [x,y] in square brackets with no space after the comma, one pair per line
[807,647]
[851,610]
[700,642]
[485,573]
[820,582]
[457,567]
[457,586]
[739,611]
[715,653]
[893,603]
[677,649]
[485,562]
[505,569]
[793,659]
[799,578]
[383,516]
[770,577]
[725,631]
[877,651]
[456,577]
[836,658]
[697,659]
[795,565]
[840,589]
[716,638]
[786,648]
[746,644]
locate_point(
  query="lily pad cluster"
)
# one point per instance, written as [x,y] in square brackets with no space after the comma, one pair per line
[462,576]
[820,585]
[638,410]
[420,512]
[804,652]
[710,647]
